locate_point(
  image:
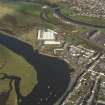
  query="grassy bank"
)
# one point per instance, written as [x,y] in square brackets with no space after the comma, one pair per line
[17,66]
[90,20]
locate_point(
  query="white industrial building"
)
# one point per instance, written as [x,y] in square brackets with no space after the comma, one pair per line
[52,42]
[48,36]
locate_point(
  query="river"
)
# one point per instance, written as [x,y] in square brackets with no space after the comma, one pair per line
[52,74]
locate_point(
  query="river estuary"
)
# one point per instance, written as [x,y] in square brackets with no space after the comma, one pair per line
[52,74]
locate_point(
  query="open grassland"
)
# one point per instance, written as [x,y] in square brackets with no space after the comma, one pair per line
[10,97]
[90,20]
[4,85]
[17,66]
[12,100]
[20,17]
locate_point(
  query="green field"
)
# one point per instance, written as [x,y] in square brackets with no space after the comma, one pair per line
[19,17]
[17,66]
[90,20]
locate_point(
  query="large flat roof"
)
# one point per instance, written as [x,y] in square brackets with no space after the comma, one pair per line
[46,34]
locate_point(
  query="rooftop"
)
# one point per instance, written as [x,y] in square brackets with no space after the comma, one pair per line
[46,34]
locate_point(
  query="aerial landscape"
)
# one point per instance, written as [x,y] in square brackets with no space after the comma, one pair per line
[52,52]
